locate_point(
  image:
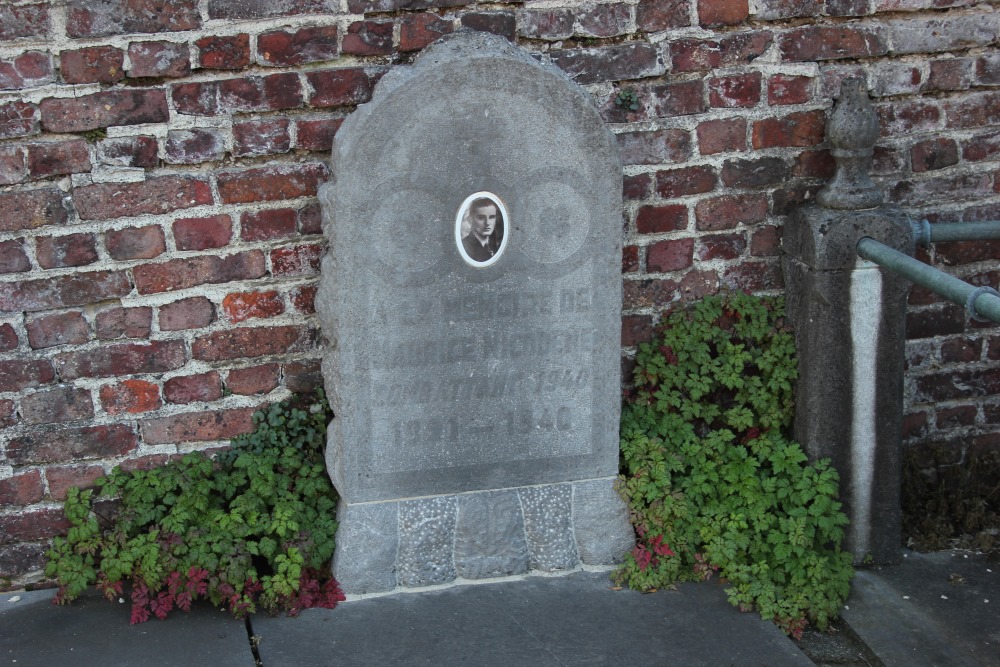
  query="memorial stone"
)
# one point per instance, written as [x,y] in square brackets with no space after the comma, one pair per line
[471,303]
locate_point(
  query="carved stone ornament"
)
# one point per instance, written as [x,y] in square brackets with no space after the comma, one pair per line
[852,131]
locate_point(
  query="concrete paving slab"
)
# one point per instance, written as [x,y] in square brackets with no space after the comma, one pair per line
[92,631]
[576,619]
[933,609]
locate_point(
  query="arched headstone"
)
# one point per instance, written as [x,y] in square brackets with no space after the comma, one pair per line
[471,300]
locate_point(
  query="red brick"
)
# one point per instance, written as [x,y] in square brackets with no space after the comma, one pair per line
[679,99]
[253,380]
[35,525]
[304,299]
[636,329]
[656,15]
[810,43]
[8,338]
[721,246]
[24,20]
[788,199]
[317,135]
[20,374]
[311,219]
[805,128]
[721,136]
[649,292]
[102,201]
[27,70]
[67,328]
[951,74]
[770,10]
[241,306]
[202,233]
[194,146]
[973,110]
[766,241]
[191,313]
[273,183]
[961,350]
[907,117]
[118,322]
[637,186]
[272,92]
[946,188]
[296,260]
[693,55]
[122,359]
[30,209]
[967,252]
[753,276]
[241,9]
[654,147]
[61,478]
[205,269]
[847,7]
[18,119]
[722,12]
[117,17]
[981,147]
[754,173]
[607,20]
[23,489]
[65,292]
[728,211]
[59,404]
[197,426]
[130,397]
[964,384]
[418,30]
[340,87]
[56,252]
[936,321]
[308,45]
[268,224]
[96,64]
[224,52]
[8,415]
[671,255]
[71,444]
[550,24]
[249,342]
[137,151]
[788,89]
[738,90]
[193,388]
[13,167]
[687,181]
[104,109]
[657,219]
[498,23]
[956,417]
[12,257]
[159,59]
[932,154]
[303,377]
[630,259]
[632,60]
[261,137]
[135,242]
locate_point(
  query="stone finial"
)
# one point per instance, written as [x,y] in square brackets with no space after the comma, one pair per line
[852,130]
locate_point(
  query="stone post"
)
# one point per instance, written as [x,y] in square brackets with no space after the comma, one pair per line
[849,320]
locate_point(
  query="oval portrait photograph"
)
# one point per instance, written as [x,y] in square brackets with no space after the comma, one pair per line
[480,229]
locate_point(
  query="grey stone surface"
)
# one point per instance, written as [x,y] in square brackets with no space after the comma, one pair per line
[600,522]
[820,263]
[489,536]
[93,631]
[575,620]
[548,526]
[931,609]
[426,541]
[852,130]
[447,377]
[367,545]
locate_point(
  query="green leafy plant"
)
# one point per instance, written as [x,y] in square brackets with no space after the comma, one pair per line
[712,482]
[627,99]
[253,528]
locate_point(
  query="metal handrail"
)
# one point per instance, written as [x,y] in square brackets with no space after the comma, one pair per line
[926,233]
[979,302]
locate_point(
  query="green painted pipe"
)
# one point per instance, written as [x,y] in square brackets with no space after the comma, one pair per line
[925,233]
[979,302]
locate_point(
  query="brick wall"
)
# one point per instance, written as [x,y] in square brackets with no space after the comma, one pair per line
[159,160]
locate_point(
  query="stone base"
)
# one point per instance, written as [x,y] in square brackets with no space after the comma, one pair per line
[479,535]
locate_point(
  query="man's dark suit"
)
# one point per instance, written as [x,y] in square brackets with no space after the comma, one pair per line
[476,251]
